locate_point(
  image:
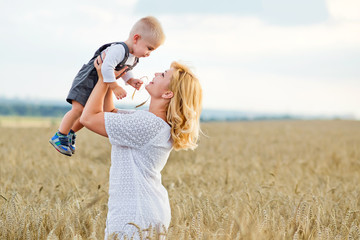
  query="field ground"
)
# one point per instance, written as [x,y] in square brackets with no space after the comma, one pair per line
[28,122]
[246,180]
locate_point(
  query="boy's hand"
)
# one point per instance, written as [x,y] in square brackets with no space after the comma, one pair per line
[135,83]
[119,92]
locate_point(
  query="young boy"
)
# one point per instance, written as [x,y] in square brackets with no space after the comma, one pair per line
[121,57]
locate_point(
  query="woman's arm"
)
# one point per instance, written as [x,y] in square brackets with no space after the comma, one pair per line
[109,102]
[93,114]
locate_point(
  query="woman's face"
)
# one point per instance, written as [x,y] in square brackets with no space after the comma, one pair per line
[160,84]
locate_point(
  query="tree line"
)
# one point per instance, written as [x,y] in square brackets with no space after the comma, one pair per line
[21,109]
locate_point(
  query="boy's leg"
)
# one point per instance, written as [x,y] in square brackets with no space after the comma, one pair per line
[72,136]
[77,126]
[108,106]
[71,117]
[60,140]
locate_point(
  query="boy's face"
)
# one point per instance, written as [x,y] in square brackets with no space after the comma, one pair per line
[142,47]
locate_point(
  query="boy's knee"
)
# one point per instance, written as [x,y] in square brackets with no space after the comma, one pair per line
[77,107]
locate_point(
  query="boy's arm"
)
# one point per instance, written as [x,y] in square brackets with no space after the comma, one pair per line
[114,55]
[135,83]
[127,76]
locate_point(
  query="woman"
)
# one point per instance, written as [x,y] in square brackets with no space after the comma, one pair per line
[141,143]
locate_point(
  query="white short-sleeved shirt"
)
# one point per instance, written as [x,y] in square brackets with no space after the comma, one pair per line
[141,144]
[114,55]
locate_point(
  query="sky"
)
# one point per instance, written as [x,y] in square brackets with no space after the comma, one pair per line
[270,56]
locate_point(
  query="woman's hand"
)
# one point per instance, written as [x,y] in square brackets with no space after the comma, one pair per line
[98,61]
[97,64]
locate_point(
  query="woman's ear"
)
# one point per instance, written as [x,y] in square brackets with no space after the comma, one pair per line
[167,95]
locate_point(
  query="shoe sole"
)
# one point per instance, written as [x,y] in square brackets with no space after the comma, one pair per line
[54,145]
[72,152]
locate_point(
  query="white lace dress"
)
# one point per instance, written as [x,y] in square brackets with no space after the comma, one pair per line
[141,144]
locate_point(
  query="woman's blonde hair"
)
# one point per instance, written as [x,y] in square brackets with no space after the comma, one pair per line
[149,28]
[184,109]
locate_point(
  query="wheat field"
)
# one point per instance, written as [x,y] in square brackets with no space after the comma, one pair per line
[246,180]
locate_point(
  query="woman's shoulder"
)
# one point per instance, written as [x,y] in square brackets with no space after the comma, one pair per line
[141,116]
[126,111]
[152,118]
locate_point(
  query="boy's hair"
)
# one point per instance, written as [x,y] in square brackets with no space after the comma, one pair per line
[149,28]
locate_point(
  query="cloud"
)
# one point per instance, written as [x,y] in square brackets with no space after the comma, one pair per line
[344,9]
[243,60]
[242,56]
[234,37]
[277,12]
[285,12]
[199,6]
[42,28]
[268,92]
